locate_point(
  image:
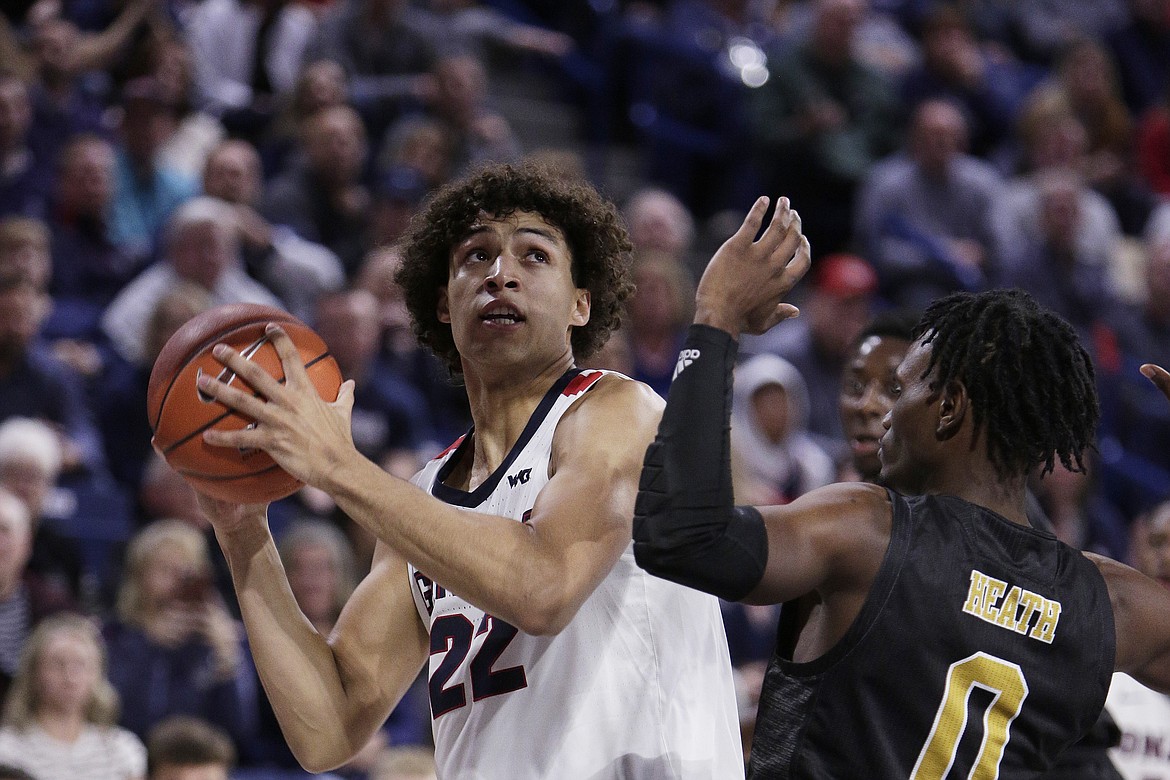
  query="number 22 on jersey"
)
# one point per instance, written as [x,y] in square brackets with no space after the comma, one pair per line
[454,635]
[1005,681]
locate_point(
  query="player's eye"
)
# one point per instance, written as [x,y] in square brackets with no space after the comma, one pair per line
[538,256]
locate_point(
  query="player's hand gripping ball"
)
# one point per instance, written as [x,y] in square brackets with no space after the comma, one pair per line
[179,412]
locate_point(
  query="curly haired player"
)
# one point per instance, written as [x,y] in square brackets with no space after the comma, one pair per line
[508,562]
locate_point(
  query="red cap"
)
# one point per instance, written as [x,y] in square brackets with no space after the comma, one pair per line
[845,276]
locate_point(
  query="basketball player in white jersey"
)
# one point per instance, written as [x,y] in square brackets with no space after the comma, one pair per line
[508,563]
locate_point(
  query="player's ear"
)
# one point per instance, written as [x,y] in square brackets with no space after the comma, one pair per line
[443,307]
[582,307]
[953,405]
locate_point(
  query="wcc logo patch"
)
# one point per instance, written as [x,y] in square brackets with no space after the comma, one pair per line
[685,358]
[521,477]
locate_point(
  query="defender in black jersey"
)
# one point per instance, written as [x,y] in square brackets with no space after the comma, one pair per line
[929,637]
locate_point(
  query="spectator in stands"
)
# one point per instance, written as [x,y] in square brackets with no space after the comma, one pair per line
[1142,52]
[658,314]
[987,83]
[838,305]
[24,249]
[322,84]
[1143,328]
[397,196]
[471,27]
[25,597]
[65,103]
[1046,29]
[924,217]
[186,748]
[400,351]
[390,421]
[247,56]
[35,383]
[659,222]
[174,649]
[385,48]
[820,121]
[89,266]
[773,458]
[1086,86]
[295,269]
[120,407]
[321,570]
[25,180]
[190,131]
[475,133]
[202,245]
[30,463]
[1059,272]
[145,192]
[1051,139]
[1080,513]
[60,719]
[420,145]
[324,198]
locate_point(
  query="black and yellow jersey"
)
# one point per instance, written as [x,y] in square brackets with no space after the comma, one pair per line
[982,650]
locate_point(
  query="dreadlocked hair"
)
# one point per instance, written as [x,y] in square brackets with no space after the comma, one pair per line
[595,234]
[1030,381]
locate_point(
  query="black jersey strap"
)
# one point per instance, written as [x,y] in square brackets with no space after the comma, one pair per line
[686,527]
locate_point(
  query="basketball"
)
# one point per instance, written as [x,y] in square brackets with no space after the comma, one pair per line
[179,412]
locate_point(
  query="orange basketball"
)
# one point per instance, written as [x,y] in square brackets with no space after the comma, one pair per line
[180,413]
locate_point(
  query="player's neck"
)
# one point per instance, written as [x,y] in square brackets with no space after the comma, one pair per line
[501,404]
[983,486]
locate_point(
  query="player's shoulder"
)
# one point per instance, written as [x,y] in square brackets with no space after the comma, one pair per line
[617,414]
[610,392]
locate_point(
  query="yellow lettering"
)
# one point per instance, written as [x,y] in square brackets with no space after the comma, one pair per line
[975,594]
[995,591]
[1045,629]
[1012,608]
[1007,610]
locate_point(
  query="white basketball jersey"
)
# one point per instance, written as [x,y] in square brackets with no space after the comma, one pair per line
[638,686]
[1143,716]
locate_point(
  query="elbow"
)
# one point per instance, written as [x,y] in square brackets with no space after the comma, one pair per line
[546,616]
[318,758]
[321,750]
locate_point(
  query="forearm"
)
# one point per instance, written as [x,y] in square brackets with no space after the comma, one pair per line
[500,565]
[686,527]
[296,665]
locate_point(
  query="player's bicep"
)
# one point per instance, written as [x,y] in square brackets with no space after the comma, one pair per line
[1141,617]
[380,642]
[831,538]
[584,513]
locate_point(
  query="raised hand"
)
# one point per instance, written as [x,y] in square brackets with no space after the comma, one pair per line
[307,436]
[1159,376]
[743,287]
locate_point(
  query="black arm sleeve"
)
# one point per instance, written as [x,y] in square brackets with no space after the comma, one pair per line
[686,527]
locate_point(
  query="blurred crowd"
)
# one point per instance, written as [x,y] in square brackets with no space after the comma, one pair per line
[160,157]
